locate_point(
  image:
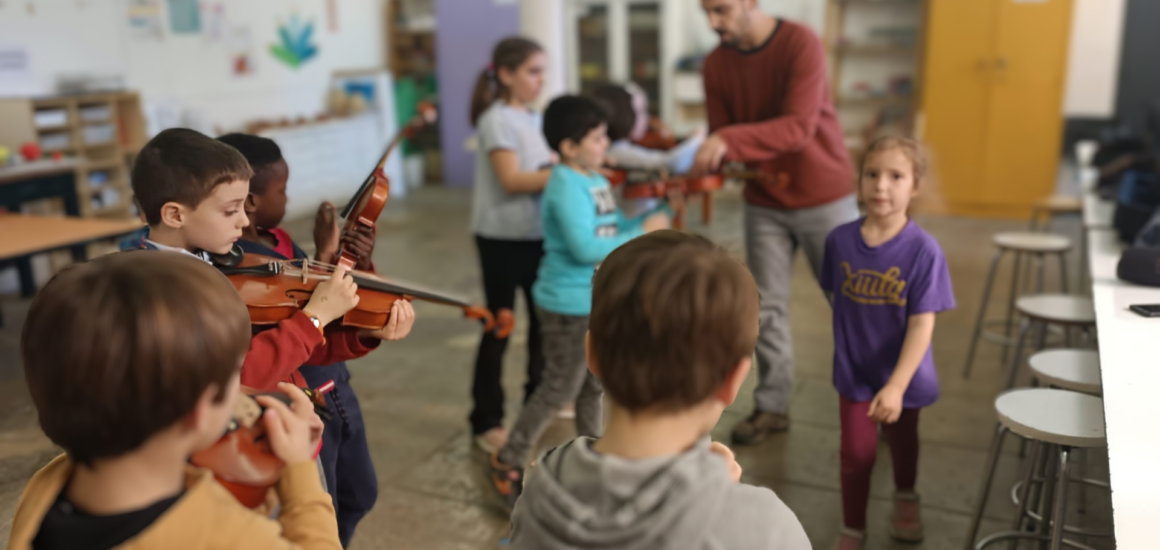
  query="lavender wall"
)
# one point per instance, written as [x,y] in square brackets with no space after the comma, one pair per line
[467,31]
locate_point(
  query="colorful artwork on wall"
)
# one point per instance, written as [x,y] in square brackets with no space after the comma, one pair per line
[295,47]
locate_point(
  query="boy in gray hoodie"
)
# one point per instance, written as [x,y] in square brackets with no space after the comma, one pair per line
[673,326]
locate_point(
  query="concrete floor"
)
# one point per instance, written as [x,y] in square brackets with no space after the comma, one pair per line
[415,396]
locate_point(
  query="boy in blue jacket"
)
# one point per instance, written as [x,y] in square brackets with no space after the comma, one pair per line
[582,225]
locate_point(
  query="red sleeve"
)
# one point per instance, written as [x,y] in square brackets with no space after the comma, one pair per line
[342,345]
[715,109]
[804,102]
[275,354]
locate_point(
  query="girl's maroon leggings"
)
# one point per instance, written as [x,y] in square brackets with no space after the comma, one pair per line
[860,448]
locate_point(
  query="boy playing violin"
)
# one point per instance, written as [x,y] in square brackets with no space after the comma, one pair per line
[345,456]
[149,376]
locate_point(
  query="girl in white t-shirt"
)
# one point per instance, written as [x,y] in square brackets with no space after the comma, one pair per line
[511,170]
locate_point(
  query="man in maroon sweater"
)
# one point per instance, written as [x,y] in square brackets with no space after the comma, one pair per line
[768,104]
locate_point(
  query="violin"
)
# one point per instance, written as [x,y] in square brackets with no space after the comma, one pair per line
[646,185]
[658,136]
[364,208]
[275,289]
[242,460]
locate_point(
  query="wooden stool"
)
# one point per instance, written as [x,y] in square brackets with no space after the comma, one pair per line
[1035,244]
[1060,421]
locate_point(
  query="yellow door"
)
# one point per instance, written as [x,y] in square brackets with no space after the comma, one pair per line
[992,93]
[1025,112]
[954,94]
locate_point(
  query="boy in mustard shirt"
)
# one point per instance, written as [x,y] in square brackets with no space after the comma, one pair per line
[147,376]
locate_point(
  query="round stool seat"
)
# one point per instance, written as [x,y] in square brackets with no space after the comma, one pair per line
[1031,242]
[1060,204]
[1058,308]
[1070,369]
[1059,417]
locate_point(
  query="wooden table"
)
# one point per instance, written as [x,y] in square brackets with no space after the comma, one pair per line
[26,236]
[1130,377]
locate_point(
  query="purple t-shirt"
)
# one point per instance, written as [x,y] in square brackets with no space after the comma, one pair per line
[875,291]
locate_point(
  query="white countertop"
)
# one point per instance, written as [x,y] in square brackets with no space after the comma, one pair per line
[1130,374]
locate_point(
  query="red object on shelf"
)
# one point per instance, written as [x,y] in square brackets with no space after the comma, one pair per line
[31,150]
[57,155]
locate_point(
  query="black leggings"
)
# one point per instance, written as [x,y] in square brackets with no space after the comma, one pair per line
[506,265]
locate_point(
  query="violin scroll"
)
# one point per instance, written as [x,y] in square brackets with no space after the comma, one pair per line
[500,324]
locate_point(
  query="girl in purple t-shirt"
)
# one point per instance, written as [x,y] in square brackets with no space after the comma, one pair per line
[888,278]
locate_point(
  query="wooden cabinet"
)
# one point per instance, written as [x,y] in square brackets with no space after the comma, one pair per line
[617,41]
[992,103]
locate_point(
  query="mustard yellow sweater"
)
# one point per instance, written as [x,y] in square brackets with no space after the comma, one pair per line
[205,517]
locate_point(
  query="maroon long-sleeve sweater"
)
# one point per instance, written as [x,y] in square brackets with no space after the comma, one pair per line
[772,107]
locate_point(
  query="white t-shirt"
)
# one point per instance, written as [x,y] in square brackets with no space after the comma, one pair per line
[495,213]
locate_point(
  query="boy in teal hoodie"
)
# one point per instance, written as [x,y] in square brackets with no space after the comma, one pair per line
[582,225]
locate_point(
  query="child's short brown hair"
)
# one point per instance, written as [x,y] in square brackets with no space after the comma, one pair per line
[183,166]
[122,347]
[672,315]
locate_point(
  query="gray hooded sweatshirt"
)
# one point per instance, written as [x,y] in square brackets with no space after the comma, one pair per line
[576,498]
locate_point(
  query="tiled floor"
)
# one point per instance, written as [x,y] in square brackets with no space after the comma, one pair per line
[415,396]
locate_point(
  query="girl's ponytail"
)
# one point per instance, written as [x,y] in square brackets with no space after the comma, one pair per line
[484,94]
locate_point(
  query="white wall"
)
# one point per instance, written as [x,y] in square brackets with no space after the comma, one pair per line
[1094,60]
[92,36]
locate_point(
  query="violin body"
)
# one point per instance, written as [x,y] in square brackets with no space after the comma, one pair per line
[685,185]
[242,460]
[658,136]
[274,290]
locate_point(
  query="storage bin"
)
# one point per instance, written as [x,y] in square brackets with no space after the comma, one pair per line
[98,133]
[51,118]
[55,141]
[95,113]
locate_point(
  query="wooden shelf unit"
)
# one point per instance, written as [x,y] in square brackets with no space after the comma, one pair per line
[105,131]
[886,110]
[409,51]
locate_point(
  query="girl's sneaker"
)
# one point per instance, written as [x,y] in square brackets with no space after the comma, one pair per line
[906,523]
[492,440]
[850,539]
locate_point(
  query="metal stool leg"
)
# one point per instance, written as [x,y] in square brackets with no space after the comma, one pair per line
[1011,297]
[1063,272]
[1039,267]
[982,312]
[1025,492]
[1023,328]
[1058,516]
[985,488]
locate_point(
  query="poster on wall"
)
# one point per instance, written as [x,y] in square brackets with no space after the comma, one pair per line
[241,51]
[294,47]
[213,26]
[144,19]
[184,17]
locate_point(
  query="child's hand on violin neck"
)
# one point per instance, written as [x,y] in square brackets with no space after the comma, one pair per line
[333,297]
[294,431]
[361,243]
[398,326]
[326,233]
